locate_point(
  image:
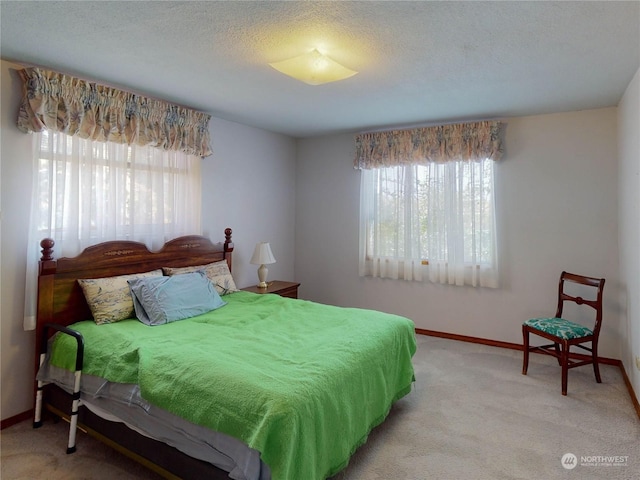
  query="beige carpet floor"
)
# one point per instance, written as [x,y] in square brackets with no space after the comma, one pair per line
[471,416]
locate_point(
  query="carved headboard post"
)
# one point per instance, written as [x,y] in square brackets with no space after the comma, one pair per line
[228,245]
[47,263]
[47,248]
[47,268]
[44,308]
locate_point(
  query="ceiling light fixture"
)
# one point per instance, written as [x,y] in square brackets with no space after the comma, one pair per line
[313,68]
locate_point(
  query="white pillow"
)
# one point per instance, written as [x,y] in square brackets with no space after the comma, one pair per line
[217,272]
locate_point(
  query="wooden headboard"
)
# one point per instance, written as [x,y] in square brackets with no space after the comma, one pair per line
[60,298]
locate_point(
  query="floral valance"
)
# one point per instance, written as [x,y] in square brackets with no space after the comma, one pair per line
[444,143]
[59,102]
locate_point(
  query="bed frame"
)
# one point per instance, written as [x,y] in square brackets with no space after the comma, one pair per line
[61,302]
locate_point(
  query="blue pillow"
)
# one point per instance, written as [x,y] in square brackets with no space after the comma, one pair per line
[160,300]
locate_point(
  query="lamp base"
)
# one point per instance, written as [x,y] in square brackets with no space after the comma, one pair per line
[262,276]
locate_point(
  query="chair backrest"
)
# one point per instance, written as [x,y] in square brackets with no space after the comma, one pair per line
[597,283]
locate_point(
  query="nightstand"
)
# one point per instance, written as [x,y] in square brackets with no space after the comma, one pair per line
[284,289]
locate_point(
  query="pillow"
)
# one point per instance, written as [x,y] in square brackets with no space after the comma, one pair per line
[109,298]
[217,272]
[160,300]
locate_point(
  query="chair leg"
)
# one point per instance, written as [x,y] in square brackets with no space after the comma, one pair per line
[565,366]
[558,353]
[525,360]
[594,355]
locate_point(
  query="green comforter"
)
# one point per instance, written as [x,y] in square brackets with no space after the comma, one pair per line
[302,383]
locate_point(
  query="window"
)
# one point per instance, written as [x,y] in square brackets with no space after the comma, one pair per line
[110,164]
[86,192]
[432,221]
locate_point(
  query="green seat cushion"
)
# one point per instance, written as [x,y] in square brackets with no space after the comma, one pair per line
[559,327]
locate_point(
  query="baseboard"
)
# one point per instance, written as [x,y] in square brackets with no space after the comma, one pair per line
[634,398]
[21,417]
[512,346]
[465,338]
[517,346]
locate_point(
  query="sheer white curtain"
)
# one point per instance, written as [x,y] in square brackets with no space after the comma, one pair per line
[431,222]
[86,192]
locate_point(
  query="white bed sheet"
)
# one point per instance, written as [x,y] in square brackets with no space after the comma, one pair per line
[123,403]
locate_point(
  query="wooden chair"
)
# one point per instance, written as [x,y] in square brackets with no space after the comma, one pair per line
[564,333]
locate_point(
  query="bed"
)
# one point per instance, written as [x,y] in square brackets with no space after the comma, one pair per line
[260,387]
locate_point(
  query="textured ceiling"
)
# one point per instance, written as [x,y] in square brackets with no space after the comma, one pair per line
[418,62]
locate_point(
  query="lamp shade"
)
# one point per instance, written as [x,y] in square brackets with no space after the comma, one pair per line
[262,254]
[313,68]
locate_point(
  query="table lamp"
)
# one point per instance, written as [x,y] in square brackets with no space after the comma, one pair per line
[262,256]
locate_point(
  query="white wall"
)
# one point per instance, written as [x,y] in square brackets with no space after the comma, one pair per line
[556,193]
[248,185]
[17,346]
[629,226]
